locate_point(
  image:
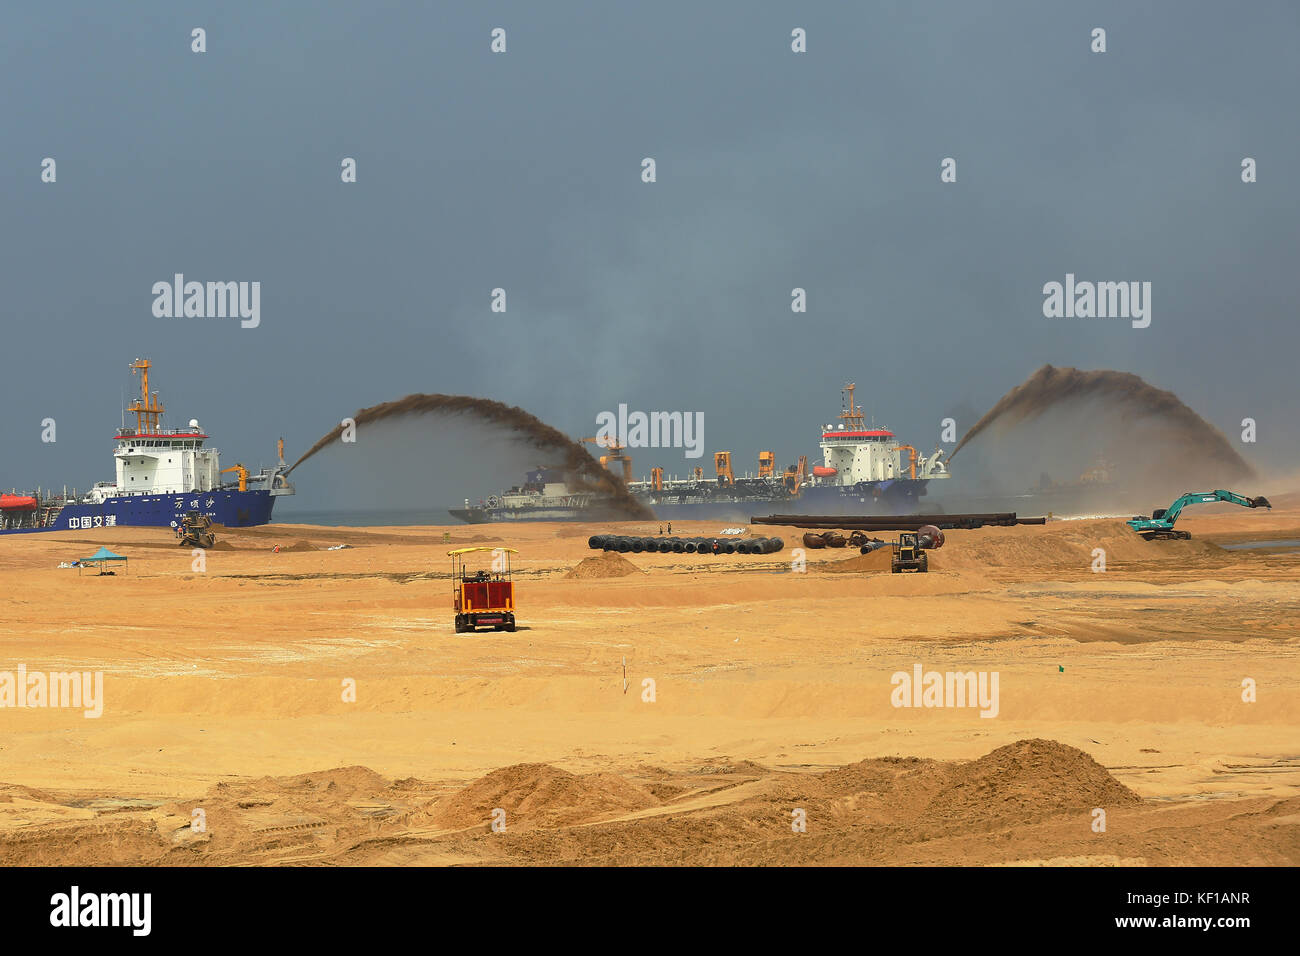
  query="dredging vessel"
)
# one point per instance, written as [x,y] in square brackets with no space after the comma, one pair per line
[864,469]
[162,473]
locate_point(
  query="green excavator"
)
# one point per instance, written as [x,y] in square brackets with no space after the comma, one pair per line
[1161,523]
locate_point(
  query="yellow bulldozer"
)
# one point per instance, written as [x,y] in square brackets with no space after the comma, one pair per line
[195,531]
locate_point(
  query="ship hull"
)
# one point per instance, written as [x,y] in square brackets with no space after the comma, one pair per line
[486,515]
[233,509]
[883,497]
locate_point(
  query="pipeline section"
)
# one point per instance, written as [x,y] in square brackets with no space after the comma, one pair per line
[897,522]
[629,544]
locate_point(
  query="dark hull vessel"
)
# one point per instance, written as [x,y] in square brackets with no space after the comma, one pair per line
[864,470]
[162,474]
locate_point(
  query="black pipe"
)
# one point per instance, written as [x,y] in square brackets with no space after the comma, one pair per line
[899,522]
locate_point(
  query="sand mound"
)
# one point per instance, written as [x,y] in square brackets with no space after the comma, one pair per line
[1069,544]
[94,843]
[876,775]
[608,564]
[1025,780]
[1065,544]
[9,792]
[355,779]
[339,783]
[299,545]
[538,793]
[877,560]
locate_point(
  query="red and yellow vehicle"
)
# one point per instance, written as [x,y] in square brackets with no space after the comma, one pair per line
[486,596]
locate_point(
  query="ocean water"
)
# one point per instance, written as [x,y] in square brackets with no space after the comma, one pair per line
[1253,545]
[363,517]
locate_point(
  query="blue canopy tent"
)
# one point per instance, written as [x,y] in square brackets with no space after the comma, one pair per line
[99,559]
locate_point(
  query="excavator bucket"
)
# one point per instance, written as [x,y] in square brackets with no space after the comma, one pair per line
[1260,502]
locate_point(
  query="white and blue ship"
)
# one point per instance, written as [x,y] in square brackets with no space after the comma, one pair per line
[162,473]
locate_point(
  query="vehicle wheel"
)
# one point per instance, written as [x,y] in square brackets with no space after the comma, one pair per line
[460,625]
[511,627]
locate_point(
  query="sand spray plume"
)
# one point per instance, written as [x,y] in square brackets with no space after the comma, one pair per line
[1052,388]
[581,469]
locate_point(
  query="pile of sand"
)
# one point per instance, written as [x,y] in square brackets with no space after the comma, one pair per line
[607,564]
[878,775]
[537,793]
[1026,780]
[299,545]
[1035,795]
[877,560]
[1069,544]
[339,783]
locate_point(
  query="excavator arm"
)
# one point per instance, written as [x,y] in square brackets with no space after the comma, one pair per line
[1161,522]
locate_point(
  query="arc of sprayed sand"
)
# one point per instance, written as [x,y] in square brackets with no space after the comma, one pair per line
[1051,386]
[577,461]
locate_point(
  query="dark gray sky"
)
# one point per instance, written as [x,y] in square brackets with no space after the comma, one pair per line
[522,170]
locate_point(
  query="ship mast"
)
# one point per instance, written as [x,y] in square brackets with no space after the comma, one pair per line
[146,409]
[852,414]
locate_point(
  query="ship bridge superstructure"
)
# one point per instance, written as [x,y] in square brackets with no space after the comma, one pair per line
[152,459]
[853,451]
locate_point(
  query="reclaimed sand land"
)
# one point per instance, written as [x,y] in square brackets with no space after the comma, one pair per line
[224,691]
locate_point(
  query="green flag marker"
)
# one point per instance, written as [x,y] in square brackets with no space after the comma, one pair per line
[1060,668]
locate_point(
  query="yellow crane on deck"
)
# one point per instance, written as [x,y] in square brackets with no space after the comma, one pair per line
[243,475]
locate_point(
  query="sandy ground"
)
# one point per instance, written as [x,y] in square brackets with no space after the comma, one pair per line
[1119,691]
